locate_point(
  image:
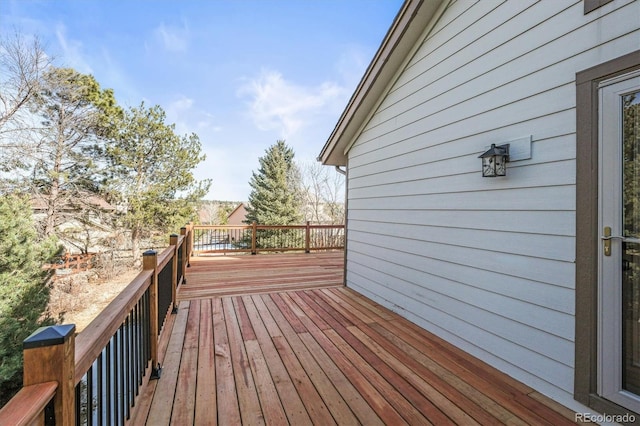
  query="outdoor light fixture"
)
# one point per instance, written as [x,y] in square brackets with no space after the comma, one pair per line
[494,161]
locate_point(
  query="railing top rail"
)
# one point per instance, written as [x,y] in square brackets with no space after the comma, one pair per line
[222,226]
[28,404]
[281,226]
[91,341]
[267,226]
[165,256]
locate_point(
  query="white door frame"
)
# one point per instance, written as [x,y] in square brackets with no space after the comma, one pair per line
[609,267]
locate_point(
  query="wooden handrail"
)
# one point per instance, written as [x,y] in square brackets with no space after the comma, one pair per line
[53,378]
[56,366]
[27,406]
[165,256]
[96,335]
[249,235]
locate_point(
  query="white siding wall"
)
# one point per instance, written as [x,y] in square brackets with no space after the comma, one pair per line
[488,264]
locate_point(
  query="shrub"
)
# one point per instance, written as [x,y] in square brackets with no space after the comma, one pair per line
[23,291]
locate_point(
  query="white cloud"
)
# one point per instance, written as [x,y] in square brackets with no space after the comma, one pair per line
[278,104]
[188,118]
[72,54]
[173,38]
[352,64]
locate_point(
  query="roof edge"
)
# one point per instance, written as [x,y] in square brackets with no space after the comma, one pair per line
[407,28]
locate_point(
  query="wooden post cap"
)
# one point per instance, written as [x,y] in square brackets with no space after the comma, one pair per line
[49,336]
[149,253]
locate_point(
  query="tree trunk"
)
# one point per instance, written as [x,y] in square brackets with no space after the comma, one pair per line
[135,245]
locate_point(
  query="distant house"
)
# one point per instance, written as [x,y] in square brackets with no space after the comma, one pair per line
[87,202]
[80,221]
[237,215]
[517,270]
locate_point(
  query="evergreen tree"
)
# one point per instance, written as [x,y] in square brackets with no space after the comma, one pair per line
[75,114]
[275,194]
[151,171]
[23,293]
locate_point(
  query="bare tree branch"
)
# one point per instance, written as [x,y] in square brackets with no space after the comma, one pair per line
[323,193]
[22,63]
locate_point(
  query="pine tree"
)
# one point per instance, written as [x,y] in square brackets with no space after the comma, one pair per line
[151,170]
[275,194]
[23,293]
[75,112]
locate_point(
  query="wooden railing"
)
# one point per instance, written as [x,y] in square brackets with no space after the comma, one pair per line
[95,378]
[256,238]
[71,264]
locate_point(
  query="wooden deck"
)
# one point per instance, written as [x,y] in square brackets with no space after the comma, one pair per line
[290,354]
[242,274]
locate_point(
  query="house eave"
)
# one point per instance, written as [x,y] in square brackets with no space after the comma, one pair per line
[408,25]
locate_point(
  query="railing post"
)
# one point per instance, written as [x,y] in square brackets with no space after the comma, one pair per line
[254,236]
[188,240]
[49,355]
[307,238]
[188,243]
[150,262]
[173,241]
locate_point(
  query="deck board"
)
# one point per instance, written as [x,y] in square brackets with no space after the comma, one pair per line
[205,408]
[292,353]
[210,276]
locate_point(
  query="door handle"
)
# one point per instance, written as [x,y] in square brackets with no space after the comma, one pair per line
[607,237]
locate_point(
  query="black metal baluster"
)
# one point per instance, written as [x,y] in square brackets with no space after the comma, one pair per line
[136,347]
[79,403]
[147,330]
[100,382]
[89,396]
[116,375]
[121,374]
[130,369]
[110,399]
[140,340]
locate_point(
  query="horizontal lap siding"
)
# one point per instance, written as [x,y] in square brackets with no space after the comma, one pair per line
[486,263]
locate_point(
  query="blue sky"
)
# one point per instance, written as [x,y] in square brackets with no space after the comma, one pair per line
[240,74]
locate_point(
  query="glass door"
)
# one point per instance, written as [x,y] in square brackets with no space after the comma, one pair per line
[619,281]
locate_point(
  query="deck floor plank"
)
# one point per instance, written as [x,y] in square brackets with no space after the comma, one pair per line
[276,339]
[312,384]
[398,353]
[335,367]
[226,397]
[164,396]
[273,410]
[293,354]
[248,400]
[206,409]
[495,385]
[349,342]
[185,396]
[442,377]
[210,276]
[290,399]
[449,356]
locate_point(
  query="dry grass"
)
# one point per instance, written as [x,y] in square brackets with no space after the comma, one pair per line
[78,299]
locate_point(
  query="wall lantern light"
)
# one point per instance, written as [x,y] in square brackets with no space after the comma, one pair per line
[494,161]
